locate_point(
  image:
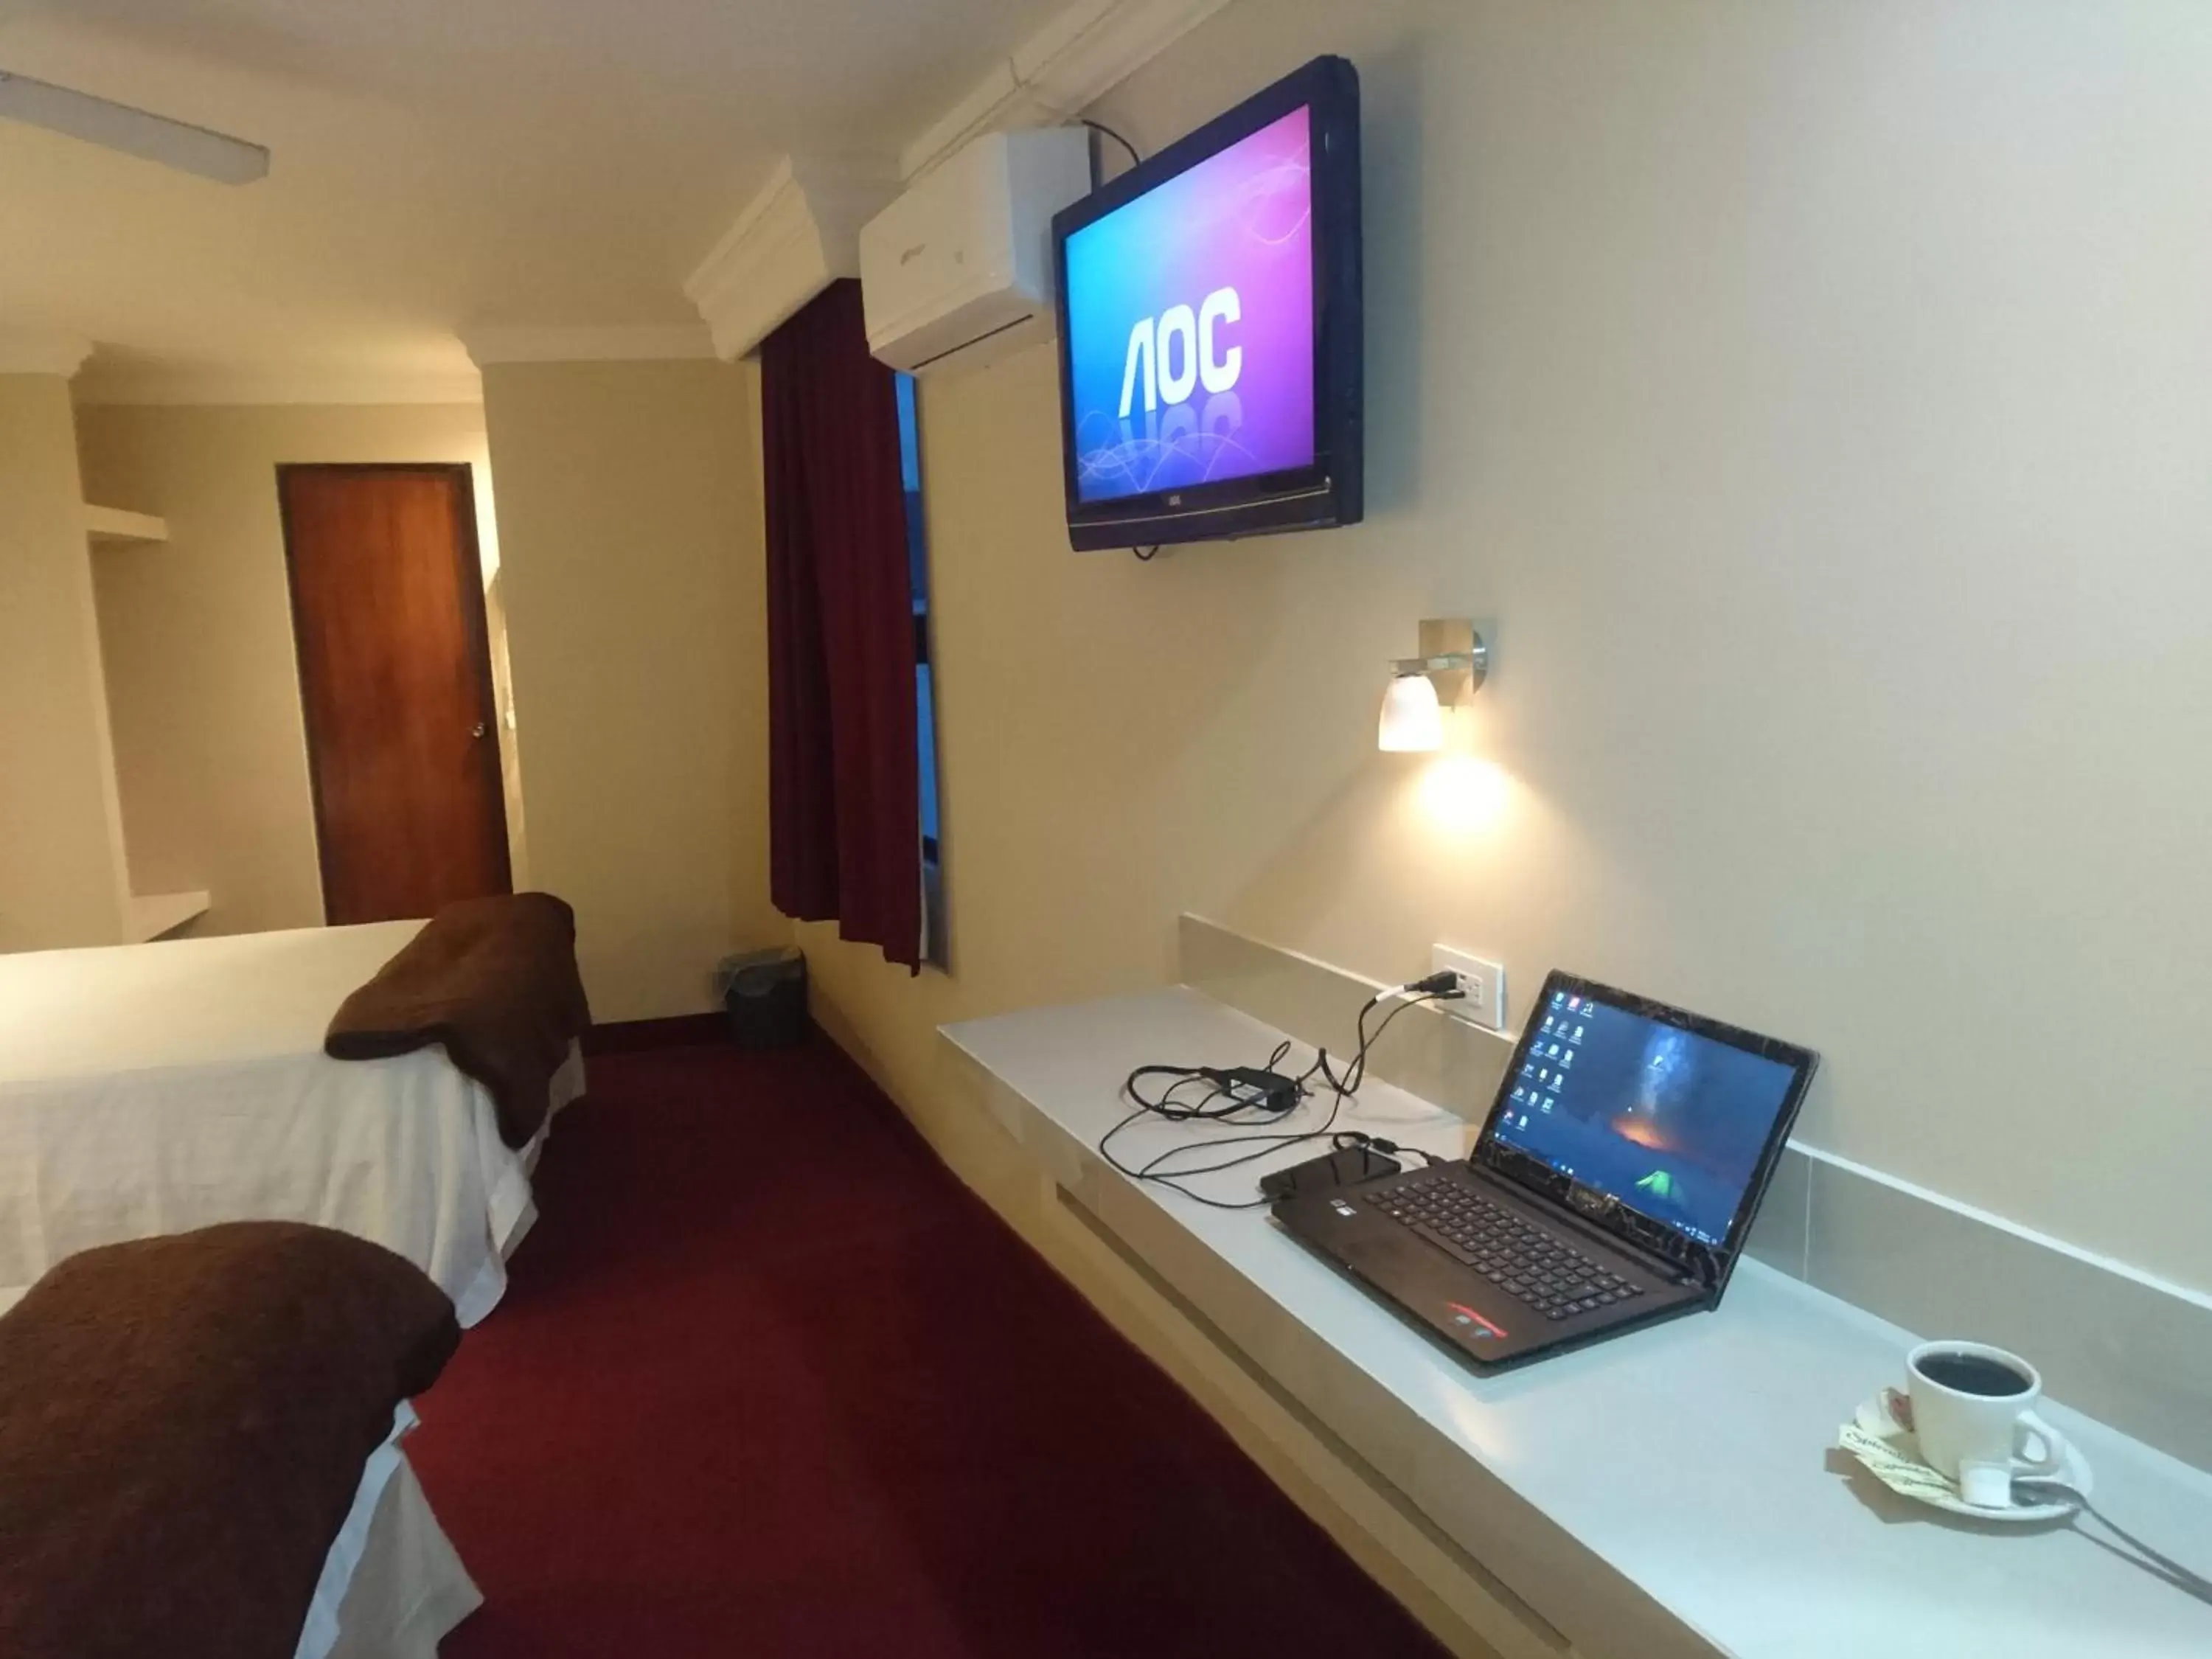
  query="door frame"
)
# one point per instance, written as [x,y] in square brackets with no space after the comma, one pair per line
[468,557]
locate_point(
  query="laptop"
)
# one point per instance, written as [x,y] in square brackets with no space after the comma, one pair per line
[1613,1185]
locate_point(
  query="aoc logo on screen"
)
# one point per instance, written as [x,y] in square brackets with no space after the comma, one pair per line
[1172,355]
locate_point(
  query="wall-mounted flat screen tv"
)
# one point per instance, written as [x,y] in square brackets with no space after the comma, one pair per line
[1210,347]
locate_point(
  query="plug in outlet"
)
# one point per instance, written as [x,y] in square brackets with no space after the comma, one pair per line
[1483,982]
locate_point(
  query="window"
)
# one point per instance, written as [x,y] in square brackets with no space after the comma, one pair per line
[933,946]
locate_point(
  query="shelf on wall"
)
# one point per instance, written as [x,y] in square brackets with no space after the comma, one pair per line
[112,524]
[152,914]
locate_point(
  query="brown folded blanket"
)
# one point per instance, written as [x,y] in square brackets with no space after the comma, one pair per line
[182,1426]
[493,979]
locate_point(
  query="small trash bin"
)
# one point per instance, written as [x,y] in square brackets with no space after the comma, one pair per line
[765,995]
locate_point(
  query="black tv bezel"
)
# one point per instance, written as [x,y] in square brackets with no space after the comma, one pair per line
[1331,490]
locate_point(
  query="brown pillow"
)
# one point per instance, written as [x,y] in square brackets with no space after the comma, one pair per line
[182,1426]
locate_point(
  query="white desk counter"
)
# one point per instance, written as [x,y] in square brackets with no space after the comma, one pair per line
[1671,1492]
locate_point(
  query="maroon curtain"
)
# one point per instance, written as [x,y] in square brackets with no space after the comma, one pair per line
[845,822]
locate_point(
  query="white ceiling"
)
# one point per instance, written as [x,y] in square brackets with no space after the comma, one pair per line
[439,165]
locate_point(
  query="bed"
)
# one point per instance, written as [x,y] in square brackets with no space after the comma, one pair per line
[148,1089]
[200,1453]
[392,1585]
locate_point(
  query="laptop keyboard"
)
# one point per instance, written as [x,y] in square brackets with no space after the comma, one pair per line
[1526,1262]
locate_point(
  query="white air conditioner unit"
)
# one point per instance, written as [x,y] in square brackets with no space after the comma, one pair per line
[959,269]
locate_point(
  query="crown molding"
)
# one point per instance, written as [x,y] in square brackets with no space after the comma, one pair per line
[801,233]
[153,385]
[1063,69]
[644,343]
[41,351]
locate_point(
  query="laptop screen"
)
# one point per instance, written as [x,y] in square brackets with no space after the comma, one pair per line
[1666,1122]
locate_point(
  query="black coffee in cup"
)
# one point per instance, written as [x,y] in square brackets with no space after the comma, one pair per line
[1971,1373]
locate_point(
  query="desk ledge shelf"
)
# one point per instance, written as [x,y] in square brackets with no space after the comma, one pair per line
[112,526]
[152,914]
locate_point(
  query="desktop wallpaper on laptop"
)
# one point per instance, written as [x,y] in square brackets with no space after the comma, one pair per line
[1668,1123]
[1191,323]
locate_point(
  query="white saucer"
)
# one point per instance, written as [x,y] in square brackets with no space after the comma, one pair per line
[1875,1420]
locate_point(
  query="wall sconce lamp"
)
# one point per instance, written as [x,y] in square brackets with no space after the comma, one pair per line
[1453,665]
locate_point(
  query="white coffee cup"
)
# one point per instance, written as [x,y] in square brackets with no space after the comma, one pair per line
[1973,1414]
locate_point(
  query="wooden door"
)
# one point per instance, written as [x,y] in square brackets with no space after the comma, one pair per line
[395,680]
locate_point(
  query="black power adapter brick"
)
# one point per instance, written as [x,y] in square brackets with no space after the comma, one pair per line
[1270,1091]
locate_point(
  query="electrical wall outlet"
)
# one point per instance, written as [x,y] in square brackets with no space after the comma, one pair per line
[1483,982]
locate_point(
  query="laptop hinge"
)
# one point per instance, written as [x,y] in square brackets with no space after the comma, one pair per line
[1657,1264]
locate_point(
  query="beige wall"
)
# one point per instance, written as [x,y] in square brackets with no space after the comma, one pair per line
[60,862]
[210,745]
[631,512]
[1818,397]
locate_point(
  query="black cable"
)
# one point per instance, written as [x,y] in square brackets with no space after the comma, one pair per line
[1163,1103]
[1262,1145]
[1102,127]
[1221,1085]
[1146,555]
[1354,1075]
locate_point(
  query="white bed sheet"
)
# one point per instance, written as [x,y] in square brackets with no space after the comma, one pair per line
[150,1089]
[392,1586]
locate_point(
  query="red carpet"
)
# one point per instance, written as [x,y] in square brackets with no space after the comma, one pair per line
[770,1382]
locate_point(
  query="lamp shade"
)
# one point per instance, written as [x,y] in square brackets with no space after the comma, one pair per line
[1413,721]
